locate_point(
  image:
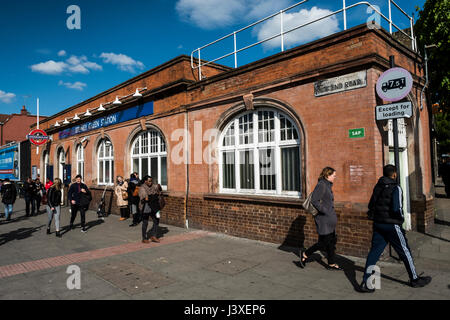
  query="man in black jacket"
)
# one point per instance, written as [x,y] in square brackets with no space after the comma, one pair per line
[29,188]
[79,197]
[385,209]
[9,195]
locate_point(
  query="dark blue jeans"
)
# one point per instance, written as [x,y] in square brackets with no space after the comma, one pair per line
[30,200]
[384,233]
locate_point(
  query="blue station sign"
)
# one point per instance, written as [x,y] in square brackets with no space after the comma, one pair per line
[109,120]
[9,162]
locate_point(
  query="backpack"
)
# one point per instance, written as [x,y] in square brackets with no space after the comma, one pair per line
[8,194]
[308,206]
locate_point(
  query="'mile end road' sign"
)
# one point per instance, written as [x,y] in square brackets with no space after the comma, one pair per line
[394,84]
[394,111]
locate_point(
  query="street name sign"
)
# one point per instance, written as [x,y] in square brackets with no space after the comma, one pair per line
[394,110]
[356,133]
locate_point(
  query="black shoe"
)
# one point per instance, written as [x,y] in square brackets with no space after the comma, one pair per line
[83,230]
[420,282]
[58,234]
[8,219]
[133,224]
[302,261]
[71,227]
[48,231]
[364,289]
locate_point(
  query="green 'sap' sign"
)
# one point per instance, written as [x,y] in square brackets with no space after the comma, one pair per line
[356,133]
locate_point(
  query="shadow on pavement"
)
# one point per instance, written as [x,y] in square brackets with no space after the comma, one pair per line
[19,234]
[436,237]
[18,219]
[442,222]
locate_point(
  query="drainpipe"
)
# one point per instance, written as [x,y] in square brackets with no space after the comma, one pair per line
[186,146]
[1,141]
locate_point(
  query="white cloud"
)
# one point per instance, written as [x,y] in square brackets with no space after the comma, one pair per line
[62,53]
[123,62]
[73,64]
[49,67]
[305,34]
[6,97]
[212,14]
[76,85]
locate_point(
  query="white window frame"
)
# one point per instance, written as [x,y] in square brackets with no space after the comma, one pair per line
[102,160]
[80,159]
[161,152]
[46,163]
[277,144]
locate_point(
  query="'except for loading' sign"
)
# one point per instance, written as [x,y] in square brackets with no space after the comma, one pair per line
[394,111]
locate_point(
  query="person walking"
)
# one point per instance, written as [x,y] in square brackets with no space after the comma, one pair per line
[9,195]
[122,198]
[29,189]
[133,198]
[38,194]
[149,196]
[326,219]
[79,197]
[54,206]
[386,211]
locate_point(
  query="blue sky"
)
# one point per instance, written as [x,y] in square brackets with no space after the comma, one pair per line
[40,57]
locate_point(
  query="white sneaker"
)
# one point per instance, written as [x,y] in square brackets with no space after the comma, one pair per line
[83,230]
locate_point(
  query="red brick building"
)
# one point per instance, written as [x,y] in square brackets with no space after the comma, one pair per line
[278,127]
[16,126]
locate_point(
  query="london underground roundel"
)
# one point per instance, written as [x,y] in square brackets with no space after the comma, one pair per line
[394,84]
[37,137]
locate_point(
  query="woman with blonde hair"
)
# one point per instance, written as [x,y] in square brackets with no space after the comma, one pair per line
[122,197]
[326,219]
[54,205]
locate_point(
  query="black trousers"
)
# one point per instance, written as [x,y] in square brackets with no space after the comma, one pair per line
[154,229]
[29,200]
[74,210]
[38,200]
[124,212]
[326,243]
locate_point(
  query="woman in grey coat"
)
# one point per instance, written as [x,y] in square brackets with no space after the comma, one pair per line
[326,220]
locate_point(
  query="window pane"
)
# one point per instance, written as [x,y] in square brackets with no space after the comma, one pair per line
[266,126]
[164,171]
[229,137]
[144,143]
[136,166]
[246,129]
[228,172]
[100,172]
[107,172]
[267,169]
[290,169]
[112,171]
[153,142]
[136,146]
[247,168]
[144,167]
[163,144]
[154,169]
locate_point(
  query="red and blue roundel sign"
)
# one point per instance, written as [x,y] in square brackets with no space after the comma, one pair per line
[394,84]
[37,137]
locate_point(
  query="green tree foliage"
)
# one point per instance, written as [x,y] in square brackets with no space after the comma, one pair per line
[433,27]
[443,132]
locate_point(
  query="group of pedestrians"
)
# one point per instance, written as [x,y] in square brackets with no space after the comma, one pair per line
[143,200]
[386,212]
[34,192]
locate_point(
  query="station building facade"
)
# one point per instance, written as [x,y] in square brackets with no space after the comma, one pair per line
[277,122]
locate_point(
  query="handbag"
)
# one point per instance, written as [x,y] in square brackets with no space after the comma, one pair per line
[124,195]
[308,206]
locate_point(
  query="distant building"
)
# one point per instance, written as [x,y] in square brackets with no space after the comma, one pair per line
[16,126]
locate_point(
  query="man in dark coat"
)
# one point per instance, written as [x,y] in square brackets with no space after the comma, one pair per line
[445,174]
[79,197]
[29,189]
[9,195]
[385,209]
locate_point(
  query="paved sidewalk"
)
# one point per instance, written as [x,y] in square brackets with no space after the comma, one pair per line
[194,264]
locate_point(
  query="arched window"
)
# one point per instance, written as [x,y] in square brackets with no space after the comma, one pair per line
[46,164]
[80,159]
[259,153]
[149,156]
[105,162]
